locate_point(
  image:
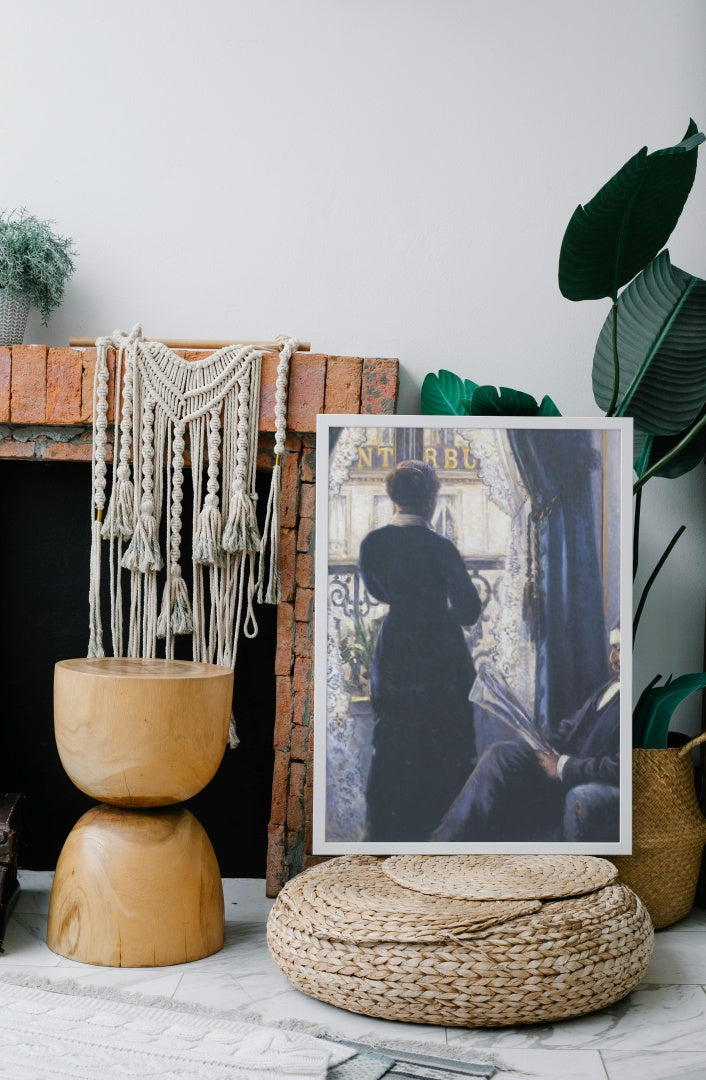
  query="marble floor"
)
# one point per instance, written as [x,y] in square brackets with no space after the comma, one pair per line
[658,1033]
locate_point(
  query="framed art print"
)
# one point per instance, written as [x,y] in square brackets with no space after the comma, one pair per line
[471,577]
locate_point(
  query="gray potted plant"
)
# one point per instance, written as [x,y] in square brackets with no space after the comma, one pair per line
[35,264]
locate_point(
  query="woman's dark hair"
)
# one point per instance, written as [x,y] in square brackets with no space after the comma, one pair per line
[412,484]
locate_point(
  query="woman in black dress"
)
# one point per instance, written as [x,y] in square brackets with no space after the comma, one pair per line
[422,671]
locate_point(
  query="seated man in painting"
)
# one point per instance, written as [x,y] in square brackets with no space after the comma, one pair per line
[517,793]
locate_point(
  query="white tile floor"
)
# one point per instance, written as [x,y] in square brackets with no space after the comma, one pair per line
[658,1033]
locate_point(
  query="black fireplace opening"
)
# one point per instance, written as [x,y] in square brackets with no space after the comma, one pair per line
[44,561]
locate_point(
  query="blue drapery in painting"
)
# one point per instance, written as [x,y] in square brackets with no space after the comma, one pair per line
[564,601]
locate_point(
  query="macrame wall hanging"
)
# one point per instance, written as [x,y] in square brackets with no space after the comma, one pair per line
[161,400]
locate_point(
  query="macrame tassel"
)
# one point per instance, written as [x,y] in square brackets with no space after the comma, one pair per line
[175,614]
[241,532]
[120,518]
[208,548]
[143,552]
[233,740]
[273,593]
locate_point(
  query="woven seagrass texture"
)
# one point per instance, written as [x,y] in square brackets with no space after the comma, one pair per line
[500,877]
[668,834]
[13,319]
[571,957]
[360,903]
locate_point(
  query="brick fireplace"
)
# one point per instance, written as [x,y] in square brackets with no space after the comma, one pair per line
[46,414]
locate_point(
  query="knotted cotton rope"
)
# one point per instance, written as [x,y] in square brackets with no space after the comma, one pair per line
[163,404]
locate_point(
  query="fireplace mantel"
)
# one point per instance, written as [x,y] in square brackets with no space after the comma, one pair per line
[46,397]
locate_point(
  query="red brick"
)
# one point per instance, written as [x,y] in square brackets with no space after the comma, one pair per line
[305,534]
[292,444]
[308,466]
[28,400]
[295,815]
[53,451]
[303,640]
[343,382]
[307,500]
[305,571]
[289,501]
[5,375]
[307,383]
[280,778]
[301,711]
[297,779]
[275,860]
[306,391]
[304,605]
[300,737]
[380,385]
[287,562]
[285,639]
[302,674]
[12,448]
[267,391]
[308,811]
[89,368]
[283,711]
[64,378]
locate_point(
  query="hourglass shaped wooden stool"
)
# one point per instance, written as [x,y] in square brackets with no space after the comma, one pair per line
[137,883]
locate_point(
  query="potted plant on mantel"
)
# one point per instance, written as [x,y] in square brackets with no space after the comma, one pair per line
[35,264]
[649,364]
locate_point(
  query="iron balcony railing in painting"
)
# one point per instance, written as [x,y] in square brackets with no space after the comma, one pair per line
[355,612]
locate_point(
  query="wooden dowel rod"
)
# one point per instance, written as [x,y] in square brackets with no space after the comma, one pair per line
[173,343]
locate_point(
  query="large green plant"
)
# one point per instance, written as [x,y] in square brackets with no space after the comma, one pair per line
[650,359]
[35,263]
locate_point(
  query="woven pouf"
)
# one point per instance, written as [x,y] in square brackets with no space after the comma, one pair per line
[349,933]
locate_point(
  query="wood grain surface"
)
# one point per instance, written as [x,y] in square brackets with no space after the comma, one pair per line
[141,732]
[136,888]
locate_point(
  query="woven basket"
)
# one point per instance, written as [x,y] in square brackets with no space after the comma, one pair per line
[569,957]
[13,318]
[668,833]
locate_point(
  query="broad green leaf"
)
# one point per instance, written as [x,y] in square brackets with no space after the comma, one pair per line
[661,350]
[653,714]
[444,394]
[648,450]
[547,407]
[610,239]
[489,401]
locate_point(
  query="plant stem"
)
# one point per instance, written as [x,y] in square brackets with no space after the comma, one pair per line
[636,533]
[638,737]
[691,433]
[616,365]
[651,580]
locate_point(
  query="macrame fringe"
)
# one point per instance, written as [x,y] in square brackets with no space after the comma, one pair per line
[208,543]
[142,553]
[273,593]
[161,400]
[176,615]
[95,640]
[233,740]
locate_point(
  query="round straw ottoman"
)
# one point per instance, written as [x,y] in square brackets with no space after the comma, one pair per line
[375,936]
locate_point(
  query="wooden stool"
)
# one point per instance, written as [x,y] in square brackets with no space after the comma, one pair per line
[137,886]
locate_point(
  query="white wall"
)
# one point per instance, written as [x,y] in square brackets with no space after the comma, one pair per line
[383,177]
